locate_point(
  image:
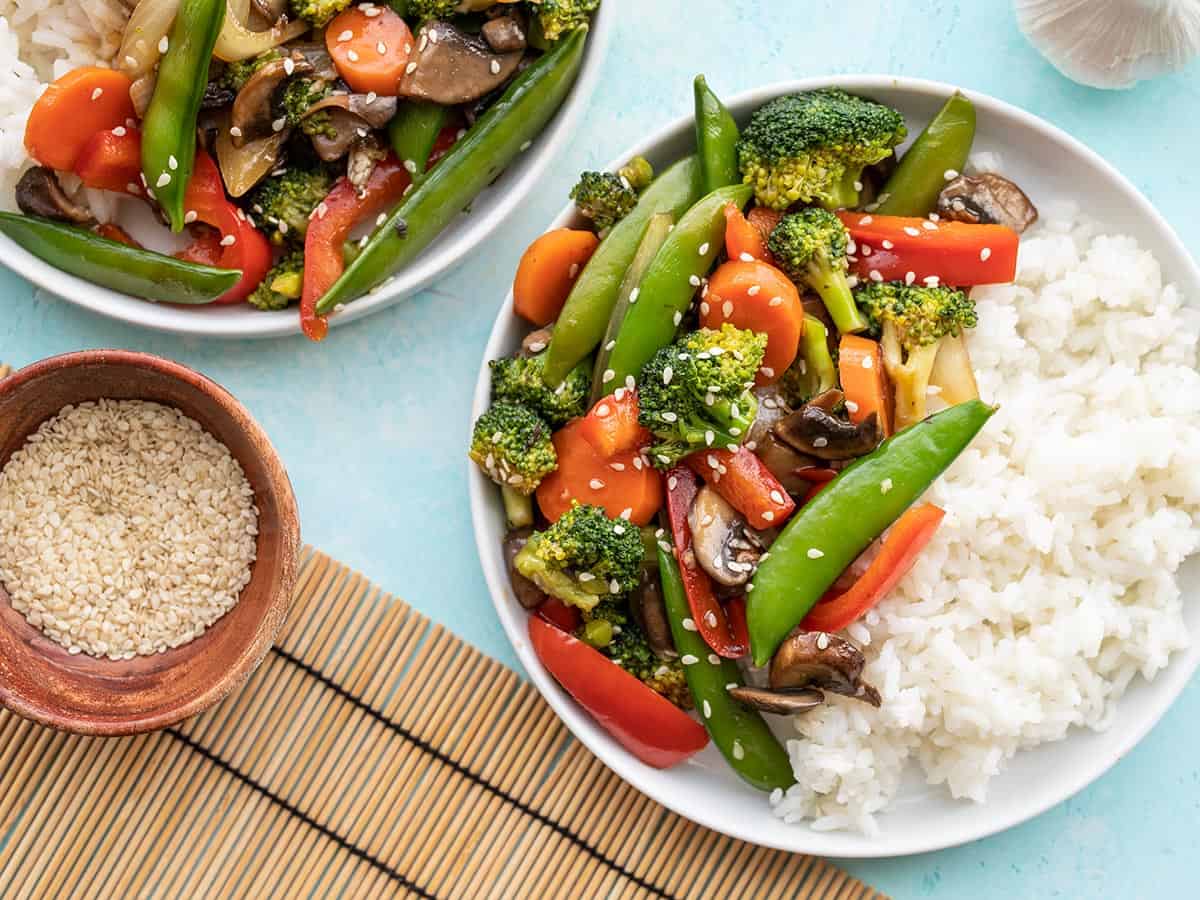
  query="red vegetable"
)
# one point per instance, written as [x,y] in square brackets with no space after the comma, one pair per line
[712,623]
[958,253]
[906,539]
[746,484]
[611,426]
[341,210]
[644,722]
[559,614]
[111,160]
[72,109]
[743,237]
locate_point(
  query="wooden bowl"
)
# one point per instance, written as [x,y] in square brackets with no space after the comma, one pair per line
[82,694]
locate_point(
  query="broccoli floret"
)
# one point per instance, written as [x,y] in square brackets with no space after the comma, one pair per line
[810,245]
[625,643]
[813,147]
[637,173]
[282,285]
[558,17]
[583,557]
[511,444]
[697,392]
[318,12]
[518,379]
[912,321]
[297,96]
[286,201]
[604,198]
[431,9]
[236,74]
[813,371]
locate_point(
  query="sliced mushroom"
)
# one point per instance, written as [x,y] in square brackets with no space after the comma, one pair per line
[987,199]
[451,67]
[245,166]
[270,10]
[374,112]
[505,34]
[650,612]
[814,659]
[723,545]
[352,117]
[317,56]
[781,703]
[529,595]
[536,341]
[253,116]
[40,194]
[772,406]
[784,463]
[815,430]
[365,154]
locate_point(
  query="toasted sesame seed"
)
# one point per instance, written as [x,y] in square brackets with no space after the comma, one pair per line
[746,257]
[609,375]
[985,253]
[822,641]
[709,437]
[950,174]
[707,710]
[630,382]
[163,180]
[381,48]
[713,659]
[868,362]
[703,248]
[768,516]
[929,226]
[279,124]
[694,280]
[410,166]
[727,308]
[229,240]
[289,65]
[866,220]
[704,308]
[885,485]
[633,295]
[875,275]
[164,44]
[864,250]
[346,35]
[851,406]
[932,281]
[352,55]
[235,132]
[410,68]
[886,244]
[689,625]
[495,67]
[677,318]
[172,162]
[753,290]
[814,553]
[910,277]
[190,216]
[777,497]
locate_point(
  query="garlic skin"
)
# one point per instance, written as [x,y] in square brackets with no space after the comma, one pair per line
[1112,43]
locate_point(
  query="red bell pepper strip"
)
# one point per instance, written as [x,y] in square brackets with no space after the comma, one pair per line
[112,161]
[116,233]
[710,618]
[643,721]
[559,614]
[957,253]
[905,541]
[332,223]
[611,426]
[735,610]
[746,484]
[249,250]
[816,475]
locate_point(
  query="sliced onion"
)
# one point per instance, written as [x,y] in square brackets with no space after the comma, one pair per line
[149,23]
[237,42]
[245,166]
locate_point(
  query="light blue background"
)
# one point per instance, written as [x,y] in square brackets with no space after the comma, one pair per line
[373,422]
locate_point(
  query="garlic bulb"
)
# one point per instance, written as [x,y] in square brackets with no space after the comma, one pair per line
[1112,43]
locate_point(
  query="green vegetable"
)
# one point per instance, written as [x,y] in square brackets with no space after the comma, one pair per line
[813,372]
[716,139]
[413,131]
[236,74]
[298,96]
[583,557]
[470,165]
[812,147]
[656,233]
[638,172]
[318,12]
[810,246]
[282,285]
[590,305]
[695,394]
[827,534]
[519,379]
[942,147]
[511,443]
[667,289]
[912,321]
[559,17]
[286,201]
[630,649]
[119,267]
[430,9]
[169,126]
[603,198]
[739,733]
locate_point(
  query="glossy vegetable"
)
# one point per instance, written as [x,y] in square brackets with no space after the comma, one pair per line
[112,161]
[369,51]
[711,621]
[592,302]
[757,296]
[904,543]
[169,127]
[644,722]
[820,374]
[746,484]
[116,265]
[414,131]
[716,140]
[611,425]
[935,157]
[71,110]
[744,240]
[472,164]
[671,281]
[864,380]
[956,253]
[829,533]
[237,41]
[547,272]
[739,733]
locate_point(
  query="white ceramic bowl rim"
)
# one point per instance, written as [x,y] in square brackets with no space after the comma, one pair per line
[460,238]
[799,838]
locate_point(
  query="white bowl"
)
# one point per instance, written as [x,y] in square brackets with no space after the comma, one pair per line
[462,236]
[1048,163]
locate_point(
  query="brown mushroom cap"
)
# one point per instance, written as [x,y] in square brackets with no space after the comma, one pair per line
[449,66]
[39,194]
[650,612]
[781,703]
[815,431]
[505,34]
[352,117]
[815,659]
[252,114]
[987,199]
[723,546]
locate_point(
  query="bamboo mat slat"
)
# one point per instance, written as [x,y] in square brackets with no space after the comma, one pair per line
[372,755]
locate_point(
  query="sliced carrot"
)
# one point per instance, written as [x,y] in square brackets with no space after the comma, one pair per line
[370,51]
[623,485]
[742,240]
[547,272]
[864,380]
[757,296]
[611,426]
[72,109]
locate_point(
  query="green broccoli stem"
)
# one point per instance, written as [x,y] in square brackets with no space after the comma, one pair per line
[843,194]
[834,289]
[518,507]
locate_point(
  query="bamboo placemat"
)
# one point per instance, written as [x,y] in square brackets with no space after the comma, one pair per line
[373,754]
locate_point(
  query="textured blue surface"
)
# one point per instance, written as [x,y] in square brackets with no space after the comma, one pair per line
[373,423]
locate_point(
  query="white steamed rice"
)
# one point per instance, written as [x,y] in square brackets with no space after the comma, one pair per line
[1051,583]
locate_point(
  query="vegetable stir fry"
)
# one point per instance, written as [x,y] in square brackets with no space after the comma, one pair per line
[306,150]
[741,376]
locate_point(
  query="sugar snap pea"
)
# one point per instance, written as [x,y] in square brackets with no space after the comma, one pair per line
[716,139]
[940,149]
